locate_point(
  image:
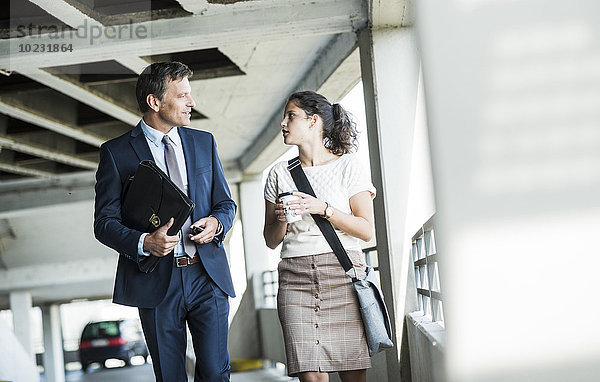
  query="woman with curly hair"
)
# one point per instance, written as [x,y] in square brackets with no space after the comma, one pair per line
[317,306]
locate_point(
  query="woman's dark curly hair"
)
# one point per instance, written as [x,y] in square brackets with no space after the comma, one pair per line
[339,129]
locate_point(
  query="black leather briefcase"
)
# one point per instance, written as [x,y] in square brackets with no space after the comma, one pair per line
[149,200]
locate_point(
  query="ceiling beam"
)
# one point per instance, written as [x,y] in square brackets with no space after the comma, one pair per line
[74,18]
[280,20]
[65,12]
[50,124]
[57,274]
[134,63]
[46,153]
[26,197]
[268,147]
[14,168]
[85,95]
[195,6]
[343,79]
[391,13]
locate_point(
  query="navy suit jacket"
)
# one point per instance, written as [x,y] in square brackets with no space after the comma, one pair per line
[208,189]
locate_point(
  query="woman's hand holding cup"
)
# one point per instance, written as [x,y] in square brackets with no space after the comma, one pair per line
[280,210]
[289,207]
[308,204]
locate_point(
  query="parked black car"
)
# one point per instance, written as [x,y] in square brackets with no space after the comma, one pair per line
[119,339]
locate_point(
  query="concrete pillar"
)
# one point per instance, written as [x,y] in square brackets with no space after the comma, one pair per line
[390,75]
[15,364]
[244,335]
[20,305]
[54,363]
[252,211]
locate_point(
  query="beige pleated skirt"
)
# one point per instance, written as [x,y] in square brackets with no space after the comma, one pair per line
[319,314]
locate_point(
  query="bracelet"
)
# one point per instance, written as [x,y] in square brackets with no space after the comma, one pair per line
[325,210]
[328,211]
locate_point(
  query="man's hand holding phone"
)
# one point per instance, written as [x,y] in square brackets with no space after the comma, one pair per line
[196,230]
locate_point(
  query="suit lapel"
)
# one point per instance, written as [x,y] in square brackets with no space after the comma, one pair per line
[139,144]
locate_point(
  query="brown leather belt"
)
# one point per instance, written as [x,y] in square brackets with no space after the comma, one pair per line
[184,261]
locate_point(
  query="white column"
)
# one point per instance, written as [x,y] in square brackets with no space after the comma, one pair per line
[252,211]
[390,75]
[20,305]
[54,363]
[15,364]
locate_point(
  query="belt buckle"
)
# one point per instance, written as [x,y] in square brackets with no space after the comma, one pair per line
[181,261]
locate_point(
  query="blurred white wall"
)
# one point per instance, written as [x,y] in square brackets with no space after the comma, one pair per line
[513,100]
[15,364]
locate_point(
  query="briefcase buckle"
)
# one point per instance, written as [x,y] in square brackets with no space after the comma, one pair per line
[155,220]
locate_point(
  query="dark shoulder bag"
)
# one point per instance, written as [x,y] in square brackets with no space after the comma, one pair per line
[375,317]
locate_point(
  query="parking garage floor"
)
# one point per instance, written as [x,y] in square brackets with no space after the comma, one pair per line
[143,373]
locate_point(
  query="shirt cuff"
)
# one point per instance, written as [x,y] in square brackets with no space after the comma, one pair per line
[141,251]
[219,228]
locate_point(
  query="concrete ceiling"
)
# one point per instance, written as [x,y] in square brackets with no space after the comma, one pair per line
[57,108]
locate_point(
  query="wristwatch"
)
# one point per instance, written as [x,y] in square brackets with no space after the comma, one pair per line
[328,211]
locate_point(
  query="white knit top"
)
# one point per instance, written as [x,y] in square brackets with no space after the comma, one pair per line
[335,183]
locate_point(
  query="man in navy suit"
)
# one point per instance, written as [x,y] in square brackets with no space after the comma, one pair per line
[191,282]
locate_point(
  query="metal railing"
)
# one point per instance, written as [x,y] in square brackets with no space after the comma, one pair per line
[372,261]
[270,282]
[427,274]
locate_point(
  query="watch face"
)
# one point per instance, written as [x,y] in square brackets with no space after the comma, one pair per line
[328,212]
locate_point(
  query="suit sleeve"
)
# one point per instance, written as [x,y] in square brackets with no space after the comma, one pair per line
[223,207]
[108,228]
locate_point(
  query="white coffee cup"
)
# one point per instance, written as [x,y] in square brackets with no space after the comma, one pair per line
[290,213]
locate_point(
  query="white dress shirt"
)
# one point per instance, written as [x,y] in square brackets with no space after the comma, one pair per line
[157,147]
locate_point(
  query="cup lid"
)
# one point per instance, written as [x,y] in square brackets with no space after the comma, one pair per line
[286,193]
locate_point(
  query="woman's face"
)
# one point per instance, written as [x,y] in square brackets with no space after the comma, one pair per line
[295,125]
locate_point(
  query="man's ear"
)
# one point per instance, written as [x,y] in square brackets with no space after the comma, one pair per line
[153,102]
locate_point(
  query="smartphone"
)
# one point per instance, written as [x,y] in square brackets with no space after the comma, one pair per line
[196,230]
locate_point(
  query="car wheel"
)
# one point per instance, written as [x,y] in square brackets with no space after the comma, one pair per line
[84,367]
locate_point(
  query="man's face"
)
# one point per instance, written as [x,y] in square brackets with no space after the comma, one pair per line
[176,109]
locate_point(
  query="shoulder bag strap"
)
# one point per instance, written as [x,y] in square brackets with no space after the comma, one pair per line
[324,225]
